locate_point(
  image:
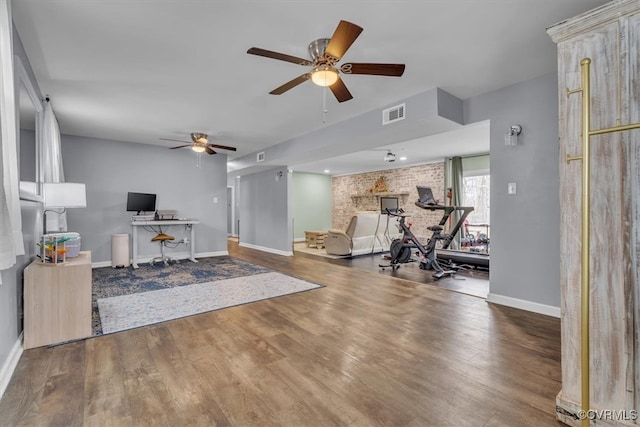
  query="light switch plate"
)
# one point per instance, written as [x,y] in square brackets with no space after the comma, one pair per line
[511,188]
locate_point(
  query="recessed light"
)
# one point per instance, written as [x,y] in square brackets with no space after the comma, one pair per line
[327,171]
[403,158]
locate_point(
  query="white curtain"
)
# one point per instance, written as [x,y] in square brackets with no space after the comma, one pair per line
[11,240]
[52,163]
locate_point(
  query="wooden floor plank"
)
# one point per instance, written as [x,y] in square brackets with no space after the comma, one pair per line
[368,349]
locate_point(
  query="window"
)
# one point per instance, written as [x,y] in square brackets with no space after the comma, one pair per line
[476,194]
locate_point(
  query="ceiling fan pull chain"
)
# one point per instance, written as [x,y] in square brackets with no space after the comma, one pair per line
[324,105]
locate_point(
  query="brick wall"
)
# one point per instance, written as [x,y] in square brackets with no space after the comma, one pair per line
[402,180]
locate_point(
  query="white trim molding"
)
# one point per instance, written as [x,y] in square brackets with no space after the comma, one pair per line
[547,310]
[178,255]
[10,365]
[264,249]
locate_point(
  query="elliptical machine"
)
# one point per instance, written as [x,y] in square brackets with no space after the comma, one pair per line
[401,248]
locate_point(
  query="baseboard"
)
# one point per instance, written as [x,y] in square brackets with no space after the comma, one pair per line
[101,264]
[547,310]
[180,255]
[299,240]
[10,364]
[211,254]
[264,249]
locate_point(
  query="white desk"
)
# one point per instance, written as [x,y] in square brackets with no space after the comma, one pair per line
[189,223]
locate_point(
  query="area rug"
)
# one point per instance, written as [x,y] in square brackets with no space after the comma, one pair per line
[145,308]
[111,283]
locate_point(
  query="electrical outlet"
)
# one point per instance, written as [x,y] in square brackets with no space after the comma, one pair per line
[185,240]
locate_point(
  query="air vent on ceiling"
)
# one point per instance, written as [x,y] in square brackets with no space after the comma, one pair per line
[393,114]
[260,157]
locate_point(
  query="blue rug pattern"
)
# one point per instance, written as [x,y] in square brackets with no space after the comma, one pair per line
[112,282]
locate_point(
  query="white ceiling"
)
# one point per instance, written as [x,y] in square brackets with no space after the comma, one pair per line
[141,70]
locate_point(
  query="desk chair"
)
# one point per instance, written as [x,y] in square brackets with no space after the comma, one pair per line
[163,239]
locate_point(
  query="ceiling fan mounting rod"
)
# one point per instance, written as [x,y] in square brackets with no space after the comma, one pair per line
[317,49]
[199,137]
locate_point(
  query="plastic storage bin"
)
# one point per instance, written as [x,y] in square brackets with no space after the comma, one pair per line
[71,244]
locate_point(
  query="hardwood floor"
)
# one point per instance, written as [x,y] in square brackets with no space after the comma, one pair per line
[366,350]
[470,281]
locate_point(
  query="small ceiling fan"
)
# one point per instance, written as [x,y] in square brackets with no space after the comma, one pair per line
[390,155]
[325,54]
[200,144]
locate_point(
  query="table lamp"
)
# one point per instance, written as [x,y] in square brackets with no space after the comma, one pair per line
[62,195]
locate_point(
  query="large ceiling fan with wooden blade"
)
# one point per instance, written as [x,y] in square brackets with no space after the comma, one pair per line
[279,56]
[325,54]
[200,144]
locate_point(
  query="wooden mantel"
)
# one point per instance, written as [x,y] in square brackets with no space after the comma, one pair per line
[357,197]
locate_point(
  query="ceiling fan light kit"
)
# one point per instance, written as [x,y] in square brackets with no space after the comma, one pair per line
[324,75]
[325,54]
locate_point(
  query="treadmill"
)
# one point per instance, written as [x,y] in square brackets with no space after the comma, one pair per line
[427,201]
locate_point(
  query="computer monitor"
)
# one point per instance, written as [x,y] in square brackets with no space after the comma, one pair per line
[390,203]
[425,195]
[141,202]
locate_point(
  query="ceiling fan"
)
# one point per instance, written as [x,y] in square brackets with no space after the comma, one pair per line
[390,155]
[325,54]
[200,144]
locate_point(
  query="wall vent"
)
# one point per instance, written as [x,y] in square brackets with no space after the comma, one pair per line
[393,114]
[260,157]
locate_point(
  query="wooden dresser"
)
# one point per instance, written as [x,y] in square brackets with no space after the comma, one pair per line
[57,301]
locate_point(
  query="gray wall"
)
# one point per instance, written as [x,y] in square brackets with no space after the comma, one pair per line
[310,202]
[524,227]
[265,218]
[11,307]
[110,169]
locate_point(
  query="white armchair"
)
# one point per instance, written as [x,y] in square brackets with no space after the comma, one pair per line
[367,232]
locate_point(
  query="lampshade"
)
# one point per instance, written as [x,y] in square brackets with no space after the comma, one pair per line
[64,195]
[324,75]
